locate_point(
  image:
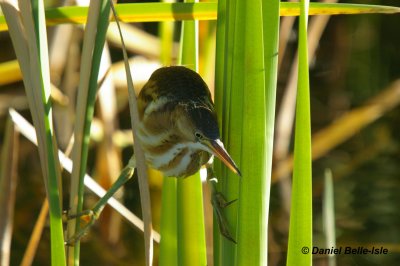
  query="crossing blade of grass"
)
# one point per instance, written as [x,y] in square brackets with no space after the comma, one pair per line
[155,12]
[9,72]
[300,230]
[295,9]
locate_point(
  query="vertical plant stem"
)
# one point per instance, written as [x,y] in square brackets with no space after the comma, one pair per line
[168,227]
[138,160]
[328,215]
[229,103]
[300,230]
[253,212]
[166,32]
[96,28]
[246,96]
[190,221]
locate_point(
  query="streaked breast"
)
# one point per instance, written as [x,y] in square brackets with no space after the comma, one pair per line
[166,153]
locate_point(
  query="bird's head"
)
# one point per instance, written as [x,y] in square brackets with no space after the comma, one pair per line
[200,126]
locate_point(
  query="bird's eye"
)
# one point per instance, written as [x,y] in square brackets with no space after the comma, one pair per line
[198,135]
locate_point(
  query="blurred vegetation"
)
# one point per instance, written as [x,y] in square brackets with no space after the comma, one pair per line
[356,59]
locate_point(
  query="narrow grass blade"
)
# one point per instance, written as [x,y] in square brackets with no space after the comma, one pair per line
[228,101]
[169,215]
[328,216]
[190,216]
[285,118]
[166,32]
[139,156]
[190,222]
[169,226]
[219,93]
[300,231]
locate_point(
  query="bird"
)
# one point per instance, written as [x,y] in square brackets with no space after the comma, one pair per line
[178,127]
[178,132]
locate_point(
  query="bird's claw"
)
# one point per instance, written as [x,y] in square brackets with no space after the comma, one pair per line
[84,215]
[219,203]
[87,216]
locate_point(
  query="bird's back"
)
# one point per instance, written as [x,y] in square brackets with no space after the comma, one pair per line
[176,83]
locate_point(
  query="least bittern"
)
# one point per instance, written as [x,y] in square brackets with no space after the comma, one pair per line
[178,132]
[178,129]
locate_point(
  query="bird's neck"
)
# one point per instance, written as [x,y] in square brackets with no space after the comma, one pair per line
[171,155]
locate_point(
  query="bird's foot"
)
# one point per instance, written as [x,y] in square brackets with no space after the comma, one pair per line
[88,217]
[219,203]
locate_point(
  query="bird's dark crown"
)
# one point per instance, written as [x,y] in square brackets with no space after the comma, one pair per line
[179,83]
[205,121]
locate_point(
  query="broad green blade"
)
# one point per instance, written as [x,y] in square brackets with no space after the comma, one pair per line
[245,98]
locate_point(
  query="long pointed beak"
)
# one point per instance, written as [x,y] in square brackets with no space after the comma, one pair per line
[218,149]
